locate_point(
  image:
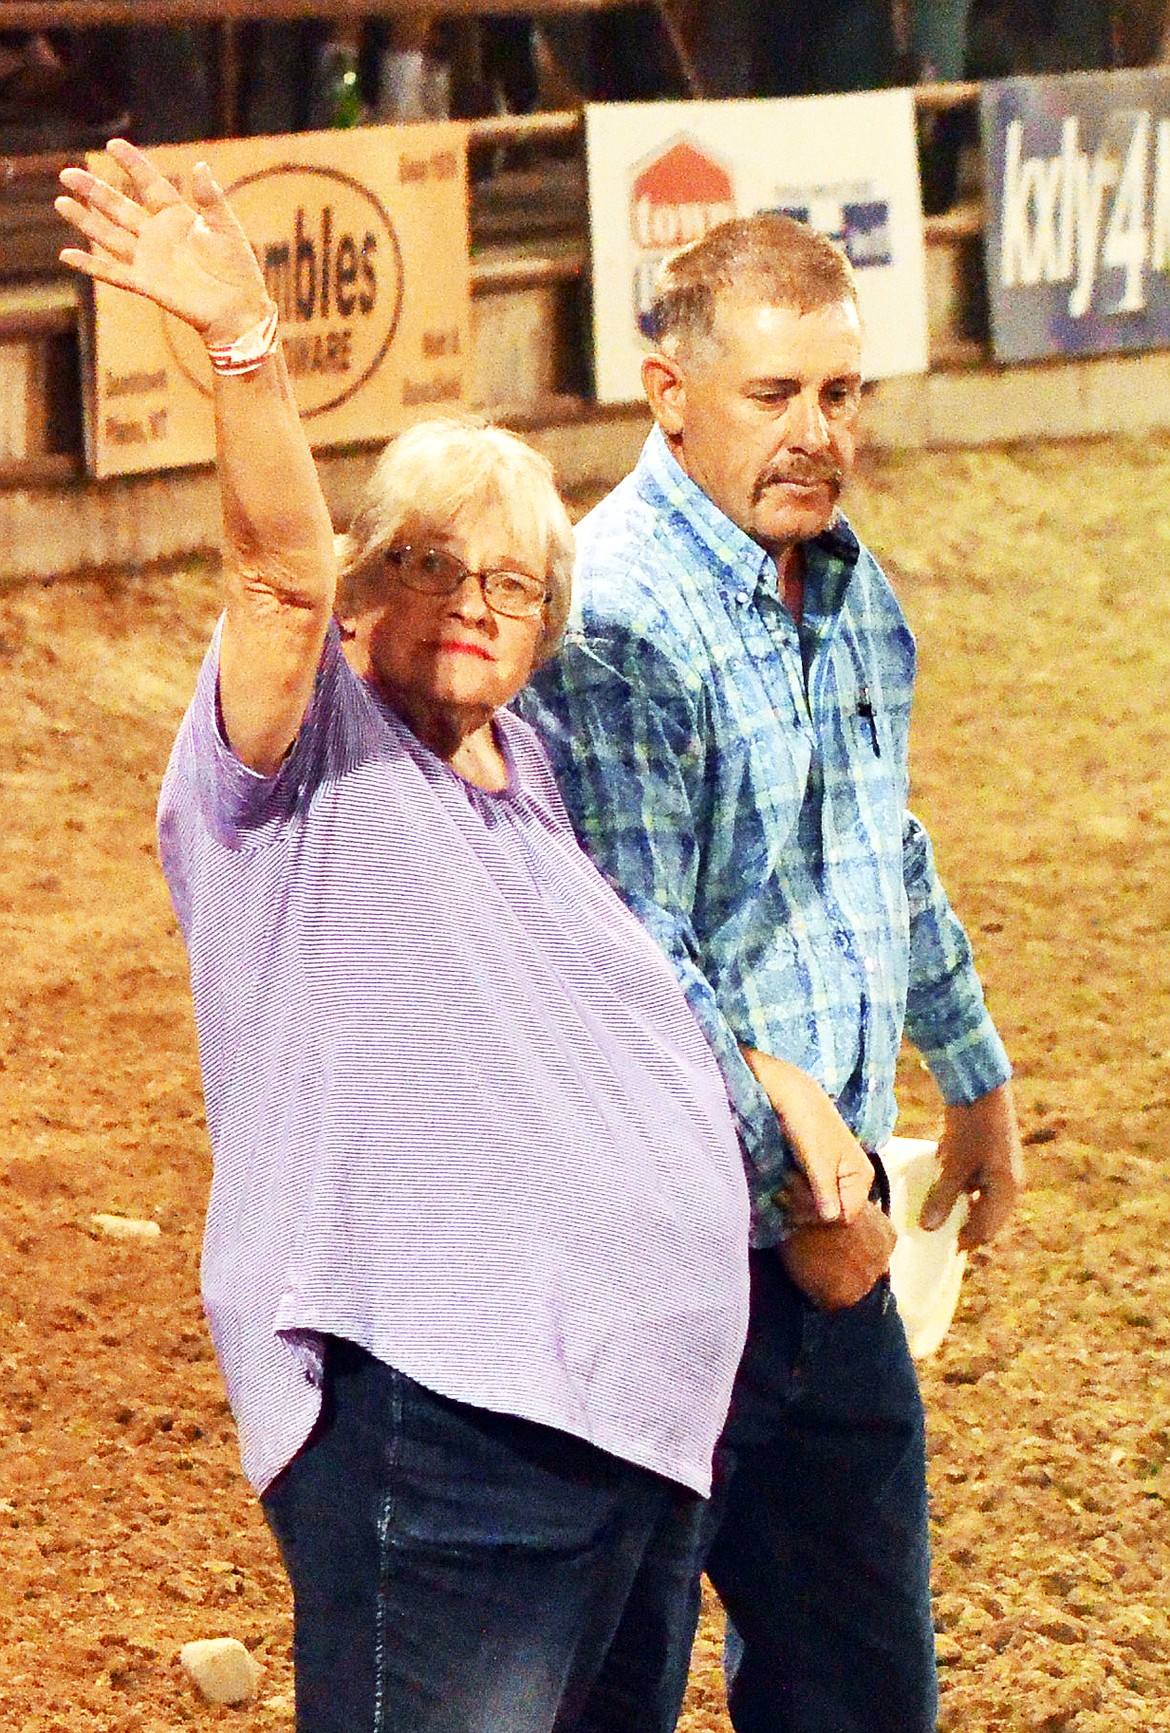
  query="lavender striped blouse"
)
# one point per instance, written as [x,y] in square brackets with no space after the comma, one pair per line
[459,1110]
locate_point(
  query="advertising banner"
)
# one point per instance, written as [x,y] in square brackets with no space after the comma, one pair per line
[1078,223]
[663,173]
[362,237]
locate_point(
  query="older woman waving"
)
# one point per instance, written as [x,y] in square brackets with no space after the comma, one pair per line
[475,1256]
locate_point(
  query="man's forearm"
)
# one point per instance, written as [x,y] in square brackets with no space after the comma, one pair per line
[946,1016]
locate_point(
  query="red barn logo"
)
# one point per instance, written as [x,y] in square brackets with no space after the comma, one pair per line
[676,197]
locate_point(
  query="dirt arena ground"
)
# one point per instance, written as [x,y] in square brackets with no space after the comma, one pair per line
[1037,583]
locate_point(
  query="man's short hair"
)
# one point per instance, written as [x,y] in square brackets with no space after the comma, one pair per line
[441,471]
[768,259]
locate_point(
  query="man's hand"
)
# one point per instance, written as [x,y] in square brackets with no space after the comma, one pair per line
[837,1263]
[981,1155]
[839,1173]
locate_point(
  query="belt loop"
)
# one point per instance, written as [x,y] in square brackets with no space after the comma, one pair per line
[880,1191]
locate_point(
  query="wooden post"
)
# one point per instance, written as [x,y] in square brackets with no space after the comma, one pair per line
[228,91]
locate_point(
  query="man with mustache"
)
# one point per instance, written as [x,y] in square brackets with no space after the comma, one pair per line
[728,718]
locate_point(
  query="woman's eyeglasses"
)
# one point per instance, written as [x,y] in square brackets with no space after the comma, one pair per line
[434,572]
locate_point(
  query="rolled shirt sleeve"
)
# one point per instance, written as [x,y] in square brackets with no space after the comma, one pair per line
[946,1016]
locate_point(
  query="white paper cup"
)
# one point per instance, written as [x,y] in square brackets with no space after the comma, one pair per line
[926,1269]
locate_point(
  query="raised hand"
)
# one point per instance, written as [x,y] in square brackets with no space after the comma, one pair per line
[192,259]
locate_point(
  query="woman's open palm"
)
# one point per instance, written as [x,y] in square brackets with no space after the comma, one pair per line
[194,260]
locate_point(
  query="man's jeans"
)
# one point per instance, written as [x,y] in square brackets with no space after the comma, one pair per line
[821,1552]
[456,1571]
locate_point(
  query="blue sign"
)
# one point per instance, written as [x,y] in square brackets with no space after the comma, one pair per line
[1077,235]
[861,226]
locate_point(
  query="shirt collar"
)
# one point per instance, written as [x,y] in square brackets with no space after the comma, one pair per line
[741,566]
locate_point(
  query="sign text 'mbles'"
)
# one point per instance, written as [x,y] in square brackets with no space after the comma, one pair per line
[330,256]
[1078,245]
[313,278]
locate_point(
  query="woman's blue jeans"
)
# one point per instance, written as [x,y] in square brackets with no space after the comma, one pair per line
[456,1571]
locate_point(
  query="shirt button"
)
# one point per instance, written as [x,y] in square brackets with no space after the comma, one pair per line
[870,965]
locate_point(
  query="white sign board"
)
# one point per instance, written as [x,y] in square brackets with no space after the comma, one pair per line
[663,173]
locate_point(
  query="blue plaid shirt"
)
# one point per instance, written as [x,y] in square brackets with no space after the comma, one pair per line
[743,786]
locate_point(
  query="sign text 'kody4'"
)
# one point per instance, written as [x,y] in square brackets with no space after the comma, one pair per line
[1078,232]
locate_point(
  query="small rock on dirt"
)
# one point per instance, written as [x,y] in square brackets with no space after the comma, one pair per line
[221,1669]
[126,1227]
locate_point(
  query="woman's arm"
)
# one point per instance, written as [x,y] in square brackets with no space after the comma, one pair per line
[194,260]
